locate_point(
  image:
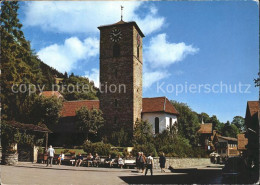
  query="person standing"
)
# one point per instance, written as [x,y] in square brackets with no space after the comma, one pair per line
[137,162]
[142,161]
[162,161]
[149,164]
[51,153]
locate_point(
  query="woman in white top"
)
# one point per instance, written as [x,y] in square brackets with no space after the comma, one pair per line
[120,162]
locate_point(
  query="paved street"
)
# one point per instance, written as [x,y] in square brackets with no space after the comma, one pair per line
[28,173]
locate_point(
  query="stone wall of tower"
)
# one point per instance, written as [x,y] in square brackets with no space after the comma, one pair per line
[125,72]
[137,76]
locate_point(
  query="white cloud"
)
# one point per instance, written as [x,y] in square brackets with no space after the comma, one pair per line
[85,17]
[93,75]
[153,76]
[64,57]
[160,53]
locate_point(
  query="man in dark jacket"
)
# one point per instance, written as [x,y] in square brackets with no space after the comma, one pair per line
[162,161]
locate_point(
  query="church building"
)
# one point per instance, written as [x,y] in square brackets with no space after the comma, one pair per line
[121,63]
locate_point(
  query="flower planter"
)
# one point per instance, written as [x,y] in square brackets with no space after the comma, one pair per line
[10,159]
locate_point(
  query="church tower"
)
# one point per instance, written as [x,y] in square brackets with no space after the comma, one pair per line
[121,64]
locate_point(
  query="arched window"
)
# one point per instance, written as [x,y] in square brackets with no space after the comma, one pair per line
[116,103]
[156,125]
[170,124]
[116,50]
[115,120]
[115,73]
[138,52]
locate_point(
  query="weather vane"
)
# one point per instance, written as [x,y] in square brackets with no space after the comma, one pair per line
[122,12]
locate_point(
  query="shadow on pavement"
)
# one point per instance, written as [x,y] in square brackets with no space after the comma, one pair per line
[69,169]
[180,176]
[185,176]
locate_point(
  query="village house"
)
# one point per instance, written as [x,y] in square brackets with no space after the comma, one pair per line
[252,132]
[225,146]
[206,133]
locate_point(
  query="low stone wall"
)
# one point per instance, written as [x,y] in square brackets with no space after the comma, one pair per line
[10,159]
[182,162]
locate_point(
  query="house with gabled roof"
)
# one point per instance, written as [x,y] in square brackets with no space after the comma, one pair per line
[160,113]
[206,133]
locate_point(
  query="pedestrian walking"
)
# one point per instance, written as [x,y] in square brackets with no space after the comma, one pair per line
[149,164]
[137,162]
[51,153]
[142,161]
[162,161]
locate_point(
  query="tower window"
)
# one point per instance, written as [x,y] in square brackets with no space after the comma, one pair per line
[116,73]
[116,103]
[138,52]
[156,125]
[115,120]
[116,50]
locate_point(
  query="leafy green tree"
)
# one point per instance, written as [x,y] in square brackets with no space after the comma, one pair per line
[215,122]
[142,133]
[239,121]
[78,88]
[204,116]
[89,121]
[188,122]
[120,138]
[45,111]
[230,130]
[19,64]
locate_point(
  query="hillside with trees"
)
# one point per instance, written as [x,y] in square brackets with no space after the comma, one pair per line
[21,65]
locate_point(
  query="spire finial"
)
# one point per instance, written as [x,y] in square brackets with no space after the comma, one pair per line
[122,12]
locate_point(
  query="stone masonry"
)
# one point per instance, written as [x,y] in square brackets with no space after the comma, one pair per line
[121,108]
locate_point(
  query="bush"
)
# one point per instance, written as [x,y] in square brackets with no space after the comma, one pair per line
[99,147]
[146,149]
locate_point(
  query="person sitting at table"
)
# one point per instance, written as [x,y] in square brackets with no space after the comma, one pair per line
[109,160]
[79,159]
[96,160]
[89,159]
[60,158]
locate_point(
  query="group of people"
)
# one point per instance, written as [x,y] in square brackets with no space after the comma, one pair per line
[91,160]
[142,161]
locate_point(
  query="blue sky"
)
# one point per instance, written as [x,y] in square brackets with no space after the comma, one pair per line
[186,43]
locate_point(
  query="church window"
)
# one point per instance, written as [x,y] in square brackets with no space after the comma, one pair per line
[116,73]
[170,124]
[116,50]
[115,120]
[116,103]
[156,125]
[138,52]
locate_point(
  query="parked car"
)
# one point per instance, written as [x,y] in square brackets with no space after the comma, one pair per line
[235,168]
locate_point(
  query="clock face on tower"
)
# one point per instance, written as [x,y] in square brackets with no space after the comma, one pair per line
[115,35]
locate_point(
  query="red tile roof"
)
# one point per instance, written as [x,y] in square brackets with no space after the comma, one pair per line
[205,128]
[253,107]
[158,104]
[70,107]
[242,142]
[49,94]
[228,138]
